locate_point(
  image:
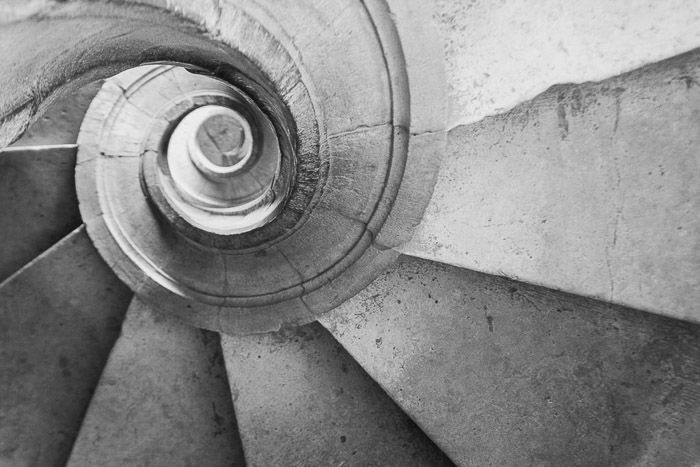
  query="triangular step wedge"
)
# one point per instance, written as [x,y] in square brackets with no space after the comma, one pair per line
[590,188]
[60,123]
[302,400]
[497,372]
[163,400]
[38,203]
[59,317]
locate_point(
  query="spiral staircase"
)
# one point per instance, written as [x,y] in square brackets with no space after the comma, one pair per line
[347,232]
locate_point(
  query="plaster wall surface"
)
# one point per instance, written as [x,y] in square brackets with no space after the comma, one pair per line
[501,53]
[588,188]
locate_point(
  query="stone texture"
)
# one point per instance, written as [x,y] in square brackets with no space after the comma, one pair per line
[327,39]
[498,372]
[163,400]
[592,189]
[357,172]
[301,400]
[38,204]
[60,123]
[59,317]
[17,10]
[361,152]
[499,54]
[611,401]
[67,45]
[420,47]
[425,154]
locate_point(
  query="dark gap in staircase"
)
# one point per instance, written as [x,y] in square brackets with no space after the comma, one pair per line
[37,185]
[218,366]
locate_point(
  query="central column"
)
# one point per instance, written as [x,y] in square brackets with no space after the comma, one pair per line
[222,164]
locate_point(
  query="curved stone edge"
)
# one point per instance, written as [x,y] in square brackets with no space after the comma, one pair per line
[130,276]
[93,41]
[396,231]
[416,72]
[420,128]
[423,55]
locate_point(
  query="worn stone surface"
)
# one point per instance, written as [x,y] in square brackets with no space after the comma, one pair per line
[60,123]
[592,189]
[169,271]
[424,61]
[67,45]
[600,385]
[59,317]
[17,10]
[302,400]
[37,202]
[331,38]
[498,372]
[37,182]
[362,152]
[163,400]
[499,54]
[301,51]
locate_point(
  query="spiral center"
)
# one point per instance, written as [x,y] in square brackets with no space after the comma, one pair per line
[222,141]
[222,163]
